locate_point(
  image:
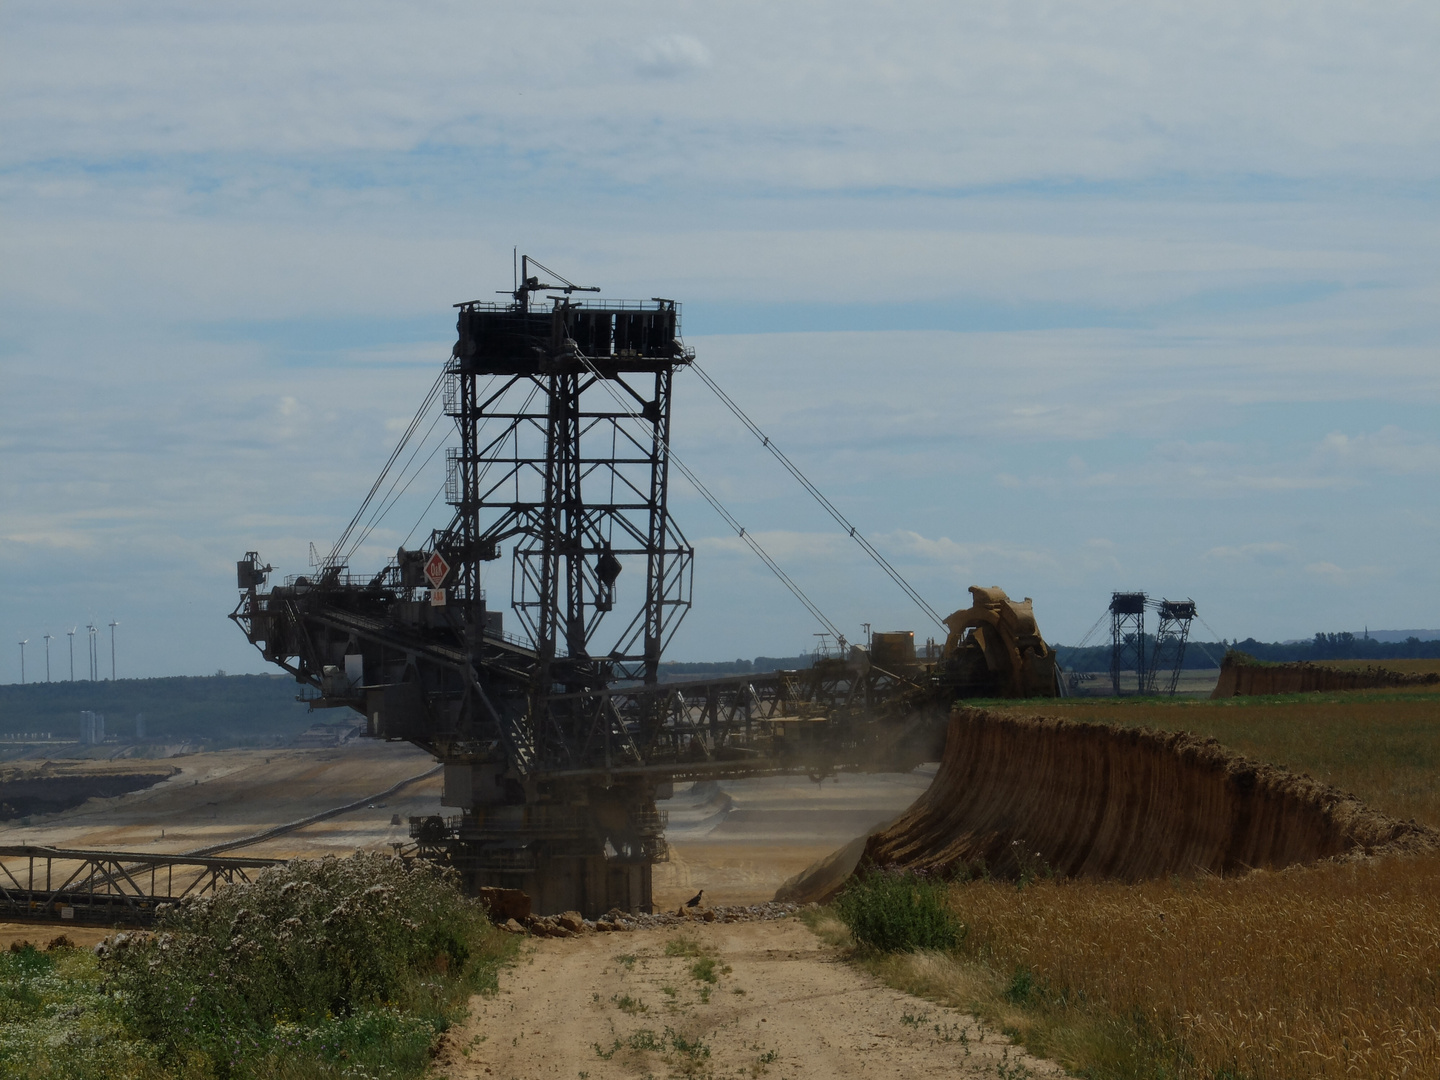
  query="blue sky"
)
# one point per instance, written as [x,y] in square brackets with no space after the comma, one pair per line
[1061,297]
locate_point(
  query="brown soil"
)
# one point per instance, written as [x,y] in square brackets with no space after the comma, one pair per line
[770,829]
[1028,794]
[803,1013]
[48,787]
[224,795]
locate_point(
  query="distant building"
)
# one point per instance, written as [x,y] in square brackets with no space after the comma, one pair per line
[92,728]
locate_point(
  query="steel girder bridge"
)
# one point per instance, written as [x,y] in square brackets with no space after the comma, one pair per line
[108,888]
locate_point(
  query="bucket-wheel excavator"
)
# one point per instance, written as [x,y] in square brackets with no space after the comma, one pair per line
[557,741]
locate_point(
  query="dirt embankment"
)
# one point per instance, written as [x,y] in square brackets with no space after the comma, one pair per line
[1240,676]
[51,787]
[1029,794]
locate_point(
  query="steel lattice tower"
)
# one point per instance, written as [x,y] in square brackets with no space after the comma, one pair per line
[1171,635]
[1127,640]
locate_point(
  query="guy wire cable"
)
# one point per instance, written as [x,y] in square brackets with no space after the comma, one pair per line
[394,455]
[719,507]
[829,507]
[392,496]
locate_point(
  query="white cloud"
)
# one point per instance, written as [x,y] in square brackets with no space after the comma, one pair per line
[672,55]
[1335,575]
[786,548]
[1271,553]
[961,557]
[1116,257]
[1389,450]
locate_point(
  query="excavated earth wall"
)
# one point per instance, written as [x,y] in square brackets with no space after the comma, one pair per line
[1240,677]
[26,792]
[1020,794]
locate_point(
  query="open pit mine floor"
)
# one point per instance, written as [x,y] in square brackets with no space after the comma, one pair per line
[782,1004]
[738,841]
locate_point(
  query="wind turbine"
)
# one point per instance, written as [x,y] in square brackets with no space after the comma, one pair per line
[71,635]
[48,636]
[22,661]
[94,674]
[113,623]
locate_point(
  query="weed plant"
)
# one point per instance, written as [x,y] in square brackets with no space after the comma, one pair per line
[899,912]
[55,1022]
[317,969]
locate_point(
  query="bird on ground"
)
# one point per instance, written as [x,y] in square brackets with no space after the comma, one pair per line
[694,901]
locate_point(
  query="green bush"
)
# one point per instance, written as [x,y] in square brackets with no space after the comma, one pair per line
[360,961]
[55,1024]
[898,912]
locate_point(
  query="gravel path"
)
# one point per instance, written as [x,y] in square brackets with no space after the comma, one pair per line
[782,1004]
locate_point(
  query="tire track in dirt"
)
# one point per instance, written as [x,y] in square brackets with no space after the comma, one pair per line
[782,1005]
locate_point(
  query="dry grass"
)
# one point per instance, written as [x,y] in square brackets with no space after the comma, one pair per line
[1317,972]
[1324,971]
[1382,746]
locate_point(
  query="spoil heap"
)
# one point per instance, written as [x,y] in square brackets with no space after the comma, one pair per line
[1019,795]
[1243,676]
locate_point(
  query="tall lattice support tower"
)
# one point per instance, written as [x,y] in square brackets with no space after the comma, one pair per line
[1171,635]
[557,741]
[1127,640]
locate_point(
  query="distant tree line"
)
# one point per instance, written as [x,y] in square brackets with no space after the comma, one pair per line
[224,709]
[760,665]
[1345,646]
[1207,654]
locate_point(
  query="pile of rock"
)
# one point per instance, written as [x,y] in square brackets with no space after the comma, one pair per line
[571,924]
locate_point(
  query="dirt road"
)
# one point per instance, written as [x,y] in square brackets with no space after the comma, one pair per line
[781,1004]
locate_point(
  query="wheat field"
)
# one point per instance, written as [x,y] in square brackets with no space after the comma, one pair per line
[1382,746]
[1331,970]
[1326,971]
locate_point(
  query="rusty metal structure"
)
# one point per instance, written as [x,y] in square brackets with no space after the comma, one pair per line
[107,888]
[557,741]
[1167,655]
[1129,643]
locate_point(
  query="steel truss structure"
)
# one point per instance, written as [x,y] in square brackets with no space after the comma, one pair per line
[1167,655]
[557,742]
[1128,643]
[1127,640]
[107,888]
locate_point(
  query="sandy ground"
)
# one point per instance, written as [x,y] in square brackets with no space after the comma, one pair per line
[229,794]
[783,1005]
[786,1008]
[232,793]
[742,844]
[738,842]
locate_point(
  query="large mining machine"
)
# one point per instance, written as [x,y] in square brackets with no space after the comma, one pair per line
[558,740]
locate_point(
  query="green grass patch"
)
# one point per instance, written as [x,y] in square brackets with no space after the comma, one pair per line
[891,912]
[337,968]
